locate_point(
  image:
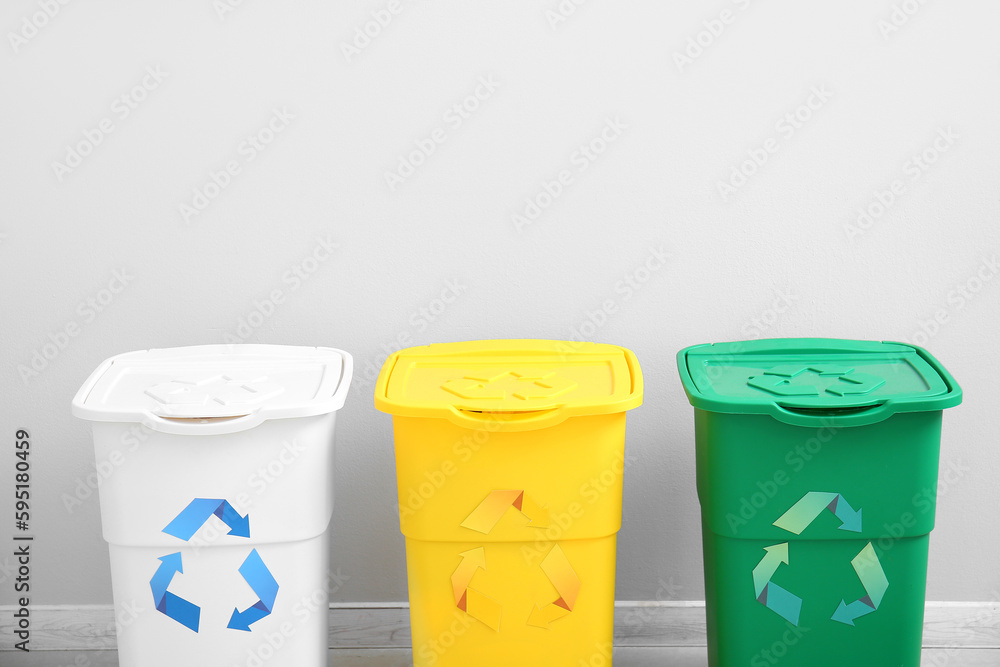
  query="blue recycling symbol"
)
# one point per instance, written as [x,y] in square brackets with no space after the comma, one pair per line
[253,569]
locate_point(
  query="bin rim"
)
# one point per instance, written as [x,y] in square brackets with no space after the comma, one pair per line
[329,397]
[855,411]
[542,413]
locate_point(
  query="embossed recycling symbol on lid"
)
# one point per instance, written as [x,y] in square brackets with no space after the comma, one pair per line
[219,390]
[509,384]
[835,380]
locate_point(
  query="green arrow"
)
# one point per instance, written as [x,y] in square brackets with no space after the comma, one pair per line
[776,384]
[871,574]
[782,603]
[811,505]
[873,578]
[804,512]
[855,384]
[768,565]
[847,613]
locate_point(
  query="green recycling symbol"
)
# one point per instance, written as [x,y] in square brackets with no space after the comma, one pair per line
[846,381]
[788,605]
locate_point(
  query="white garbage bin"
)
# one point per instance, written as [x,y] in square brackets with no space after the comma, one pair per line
[217,493]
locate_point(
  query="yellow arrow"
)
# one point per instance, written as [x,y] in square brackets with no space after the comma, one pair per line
[563,577]
[472,560]
[540,617]
[537,515]
[489,512]
[483,609]
[469,600]
[557,568]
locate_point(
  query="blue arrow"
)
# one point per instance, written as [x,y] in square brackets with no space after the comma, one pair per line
[846,613]
[194,516]
[264,586]
[169,565]
[850,519]
[180,610]
[241,620]
[177,608]
[238,525]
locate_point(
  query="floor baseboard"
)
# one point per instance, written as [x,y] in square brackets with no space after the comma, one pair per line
[947,625]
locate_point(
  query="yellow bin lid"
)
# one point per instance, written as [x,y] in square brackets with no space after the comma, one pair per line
[529,384]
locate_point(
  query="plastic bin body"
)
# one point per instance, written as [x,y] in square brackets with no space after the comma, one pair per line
[511,515]
[816,508]
[191,507]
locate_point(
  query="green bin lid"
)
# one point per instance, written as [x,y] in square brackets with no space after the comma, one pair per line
[803,380]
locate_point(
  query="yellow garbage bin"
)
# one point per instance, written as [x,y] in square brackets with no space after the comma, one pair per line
[509,457]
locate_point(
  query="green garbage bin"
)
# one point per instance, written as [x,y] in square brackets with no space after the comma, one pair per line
[817,467]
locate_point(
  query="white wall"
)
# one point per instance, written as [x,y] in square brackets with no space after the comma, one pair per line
[786,231]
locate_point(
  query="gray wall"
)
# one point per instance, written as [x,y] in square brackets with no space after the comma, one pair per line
[783,254]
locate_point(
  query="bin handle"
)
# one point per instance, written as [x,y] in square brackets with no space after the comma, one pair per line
[202,426]
[861,415]
[499,420]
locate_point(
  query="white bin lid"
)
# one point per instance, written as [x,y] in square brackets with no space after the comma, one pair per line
[210,389]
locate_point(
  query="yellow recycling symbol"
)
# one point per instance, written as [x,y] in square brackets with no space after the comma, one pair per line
[555,565]
[524,385]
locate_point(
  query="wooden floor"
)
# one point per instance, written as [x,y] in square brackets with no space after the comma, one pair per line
[624,657]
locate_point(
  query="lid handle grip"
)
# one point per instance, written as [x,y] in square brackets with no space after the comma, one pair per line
[206,426]
[861,415]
